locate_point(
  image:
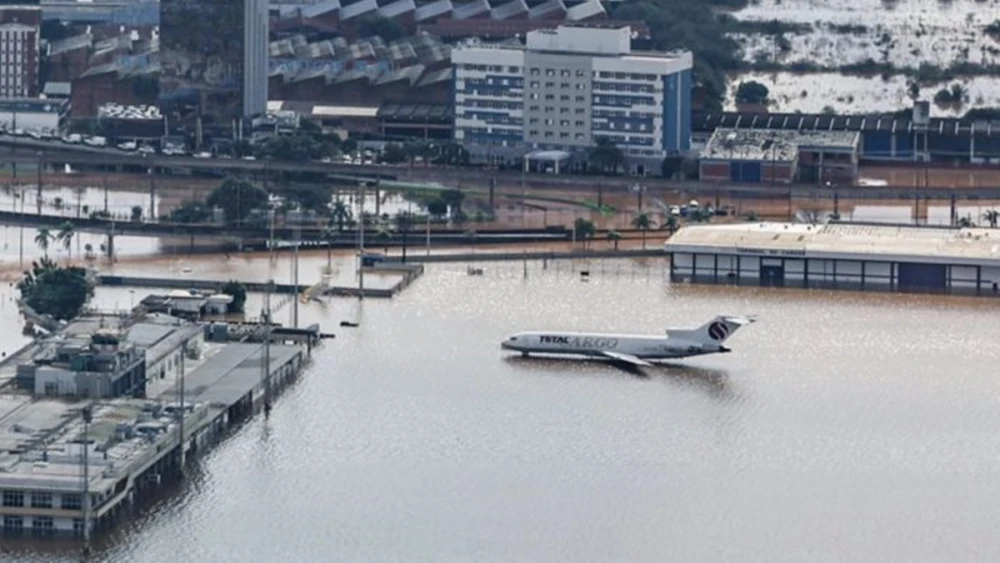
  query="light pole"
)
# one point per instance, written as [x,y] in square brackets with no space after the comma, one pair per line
[87,418]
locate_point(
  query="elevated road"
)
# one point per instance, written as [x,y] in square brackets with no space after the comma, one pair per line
[21,149]
[309,235]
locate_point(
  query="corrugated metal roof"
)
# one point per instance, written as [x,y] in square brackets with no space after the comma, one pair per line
[844,241]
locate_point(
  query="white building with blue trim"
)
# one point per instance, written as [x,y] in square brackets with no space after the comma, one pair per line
[567,87]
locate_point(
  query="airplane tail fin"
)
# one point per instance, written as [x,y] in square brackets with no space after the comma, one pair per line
[715,331]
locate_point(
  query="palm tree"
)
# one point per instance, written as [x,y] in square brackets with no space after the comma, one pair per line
[613,237]
[43,239]
[329,235]
[341,214]
[643,222]
[89,250]
[992,216]
[963,222]
[671,224]
[65,236]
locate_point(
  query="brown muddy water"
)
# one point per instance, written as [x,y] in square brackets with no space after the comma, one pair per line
[844,426]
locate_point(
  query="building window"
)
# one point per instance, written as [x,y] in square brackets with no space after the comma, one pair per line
[550,72]
[71,502]
[13,498]
[534,72]
[78,526]
[42,525]
[13,523]
[41,500]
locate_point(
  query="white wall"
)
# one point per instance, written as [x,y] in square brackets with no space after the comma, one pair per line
[64,380]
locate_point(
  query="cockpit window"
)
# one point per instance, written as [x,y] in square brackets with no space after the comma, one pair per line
[513,338]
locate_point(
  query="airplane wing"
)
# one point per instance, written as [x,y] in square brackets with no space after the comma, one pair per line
[627,358]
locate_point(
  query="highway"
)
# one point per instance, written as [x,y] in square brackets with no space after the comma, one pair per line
[310,235]
[25,149]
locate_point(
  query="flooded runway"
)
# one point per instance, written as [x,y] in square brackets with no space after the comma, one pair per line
[842,427]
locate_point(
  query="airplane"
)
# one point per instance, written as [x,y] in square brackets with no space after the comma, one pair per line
[632,349]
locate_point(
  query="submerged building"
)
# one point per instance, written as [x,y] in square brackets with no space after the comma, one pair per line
[839,256]
[565,89]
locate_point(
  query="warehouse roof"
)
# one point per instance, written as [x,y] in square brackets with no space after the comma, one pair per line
[776,145]
[844,241]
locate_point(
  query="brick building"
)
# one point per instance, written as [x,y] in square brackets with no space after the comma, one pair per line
[20,25]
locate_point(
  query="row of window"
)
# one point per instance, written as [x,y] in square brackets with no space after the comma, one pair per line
[42,500]
[41,525]
[491,68]
[619,87]
[563,135]
[562,110]
[552,97]
[563,85]
[562,122]
[492,104]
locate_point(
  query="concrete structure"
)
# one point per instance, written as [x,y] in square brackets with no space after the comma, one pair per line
[101,364]
[34,114]
[568,87]
[20,26]
[896,137]
[839,256]
[67,466]
[187,304]
[777,156]
[213,55]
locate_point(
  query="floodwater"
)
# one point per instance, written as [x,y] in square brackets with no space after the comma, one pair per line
[844,426]
[815,92]
[905,33]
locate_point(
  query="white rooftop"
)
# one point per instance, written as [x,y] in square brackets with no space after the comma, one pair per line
[775,144]
[845,241]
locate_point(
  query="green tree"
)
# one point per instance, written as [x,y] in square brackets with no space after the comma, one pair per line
[88,250]
[237,198]
[584,229]
[613,237]
[51,290]
[454,199]
[394,153]
[752,92]
[371,25]
[992,216]
[137,213]
[191,212]
[671,165]
[43,239]
[643,222]
[238,293]
[670,224]
[341,214]
[437,207]
[65,236]
[606,156]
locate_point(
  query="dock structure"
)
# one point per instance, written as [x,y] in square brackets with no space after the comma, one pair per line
[74,458]
[854,256]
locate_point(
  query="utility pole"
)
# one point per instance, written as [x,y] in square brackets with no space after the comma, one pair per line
[87,418]
[266,366]
[295,275]
[180,434]
[152,189]
[38,187]
[361,244]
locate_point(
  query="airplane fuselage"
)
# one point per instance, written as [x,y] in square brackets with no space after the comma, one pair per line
[597,344]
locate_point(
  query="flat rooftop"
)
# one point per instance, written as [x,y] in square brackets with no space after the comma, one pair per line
[773,144]
[41,441]
[844,241]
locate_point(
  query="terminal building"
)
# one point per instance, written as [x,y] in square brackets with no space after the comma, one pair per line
[565,89]
[780,156]
[839,256]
